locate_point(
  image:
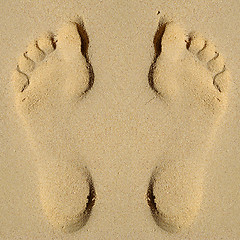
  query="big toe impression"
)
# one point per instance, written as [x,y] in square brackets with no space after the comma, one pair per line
[69,41]
[70,49]
[173,41]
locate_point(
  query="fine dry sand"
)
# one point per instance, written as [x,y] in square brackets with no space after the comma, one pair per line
[119,120]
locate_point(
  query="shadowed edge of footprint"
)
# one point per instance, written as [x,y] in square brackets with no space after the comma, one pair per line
[158,49]
[160,218]
[84,49]
[82,219]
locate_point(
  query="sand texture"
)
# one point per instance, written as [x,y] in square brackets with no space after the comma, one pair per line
[119,120]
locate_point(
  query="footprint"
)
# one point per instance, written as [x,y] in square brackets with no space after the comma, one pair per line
[191,79]
[51,77]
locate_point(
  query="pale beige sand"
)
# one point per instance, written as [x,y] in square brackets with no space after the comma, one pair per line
[119,126]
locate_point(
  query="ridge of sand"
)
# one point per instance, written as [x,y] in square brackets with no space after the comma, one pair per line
[192,80]
[51,77]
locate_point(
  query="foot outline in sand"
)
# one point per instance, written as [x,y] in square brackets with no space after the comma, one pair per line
[51,77]
[191,79]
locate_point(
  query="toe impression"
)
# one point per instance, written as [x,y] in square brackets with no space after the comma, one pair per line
[196,43]
[216,64]
[20,81]
[25,64]
[207,53]
[173,42]
[221,80]
[69,42]
[69,45]
[34,53]
[46,44]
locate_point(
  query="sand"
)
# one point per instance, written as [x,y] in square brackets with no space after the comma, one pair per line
[124,129]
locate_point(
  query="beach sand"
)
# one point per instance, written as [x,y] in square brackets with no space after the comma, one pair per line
[144,140]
